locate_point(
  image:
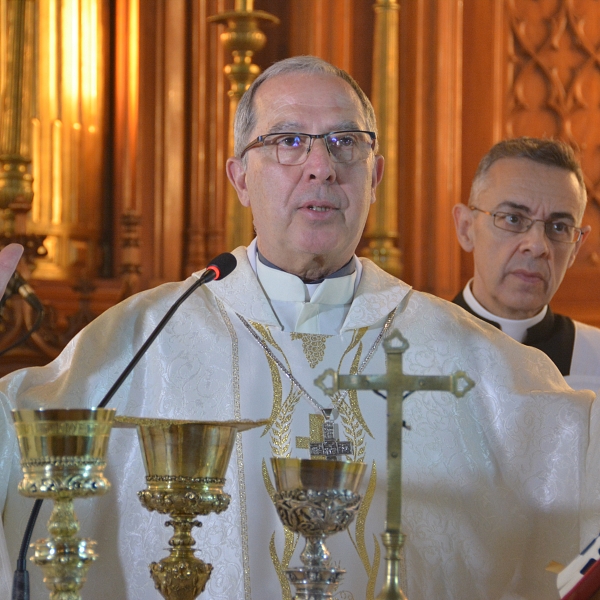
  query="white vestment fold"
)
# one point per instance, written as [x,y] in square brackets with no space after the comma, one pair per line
[491,481]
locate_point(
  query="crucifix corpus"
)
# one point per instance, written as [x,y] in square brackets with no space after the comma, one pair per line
[397,384]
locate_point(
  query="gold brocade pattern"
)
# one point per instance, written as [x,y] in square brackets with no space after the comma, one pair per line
[313,346]
[239,451]
[360,543]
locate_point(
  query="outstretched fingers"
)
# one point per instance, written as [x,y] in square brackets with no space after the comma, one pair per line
[9,258]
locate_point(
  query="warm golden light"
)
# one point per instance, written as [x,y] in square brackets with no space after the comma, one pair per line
[68,111]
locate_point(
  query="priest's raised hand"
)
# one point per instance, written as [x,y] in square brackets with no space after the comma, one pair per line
[9,258]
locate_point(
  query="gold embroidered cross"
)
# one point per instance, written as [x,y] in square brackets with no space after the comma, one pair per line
[315,425]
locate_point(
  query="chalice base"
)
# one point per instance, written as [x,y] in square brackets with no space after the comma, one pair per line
[314,583]
[180,578]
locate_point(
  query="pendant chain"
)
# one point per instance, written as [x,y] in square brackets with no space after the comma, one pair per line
[326,412]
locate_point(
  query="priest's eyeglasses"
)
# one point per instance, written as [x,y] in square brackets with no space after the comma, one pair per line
[557,231]
[294,148]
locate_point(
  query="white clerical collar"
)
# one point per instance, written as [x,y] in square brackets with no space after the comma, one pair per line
[515,328]
[306,308]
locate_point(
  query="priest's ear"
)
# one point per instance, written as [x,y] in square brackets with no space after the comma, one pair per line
[463,221]
[237,175]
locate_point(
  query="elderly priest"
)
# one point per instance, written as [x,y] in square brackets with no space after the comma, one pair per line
[491,481]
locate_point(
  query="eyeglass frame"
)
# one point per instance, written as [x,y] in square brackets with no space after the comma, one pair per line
[260,142]
[579,230]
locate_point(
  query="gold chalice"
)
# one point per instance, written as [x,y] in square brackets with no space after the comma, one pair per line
[63,457]
[316,498]
[186,463]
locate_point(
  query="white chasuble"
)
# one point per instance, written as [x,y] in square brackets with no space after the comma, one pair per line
[491,481]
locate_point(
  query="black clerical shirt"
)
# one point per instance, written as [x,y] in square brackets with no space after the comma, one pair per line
[554,335]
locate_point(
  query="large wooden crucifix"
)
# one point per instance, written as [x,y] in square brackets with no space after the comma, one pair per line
[397,384]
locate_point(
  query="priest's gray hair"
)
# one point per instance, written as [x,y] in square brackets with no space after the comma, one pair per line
[553,153]
[245,117]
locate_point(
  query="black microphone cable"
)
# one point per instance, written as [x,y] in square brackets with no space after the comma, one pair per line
[217,269]
[18,285]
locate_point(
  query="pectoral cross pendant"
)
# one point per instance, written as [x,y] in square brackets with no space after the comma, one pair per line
[324,442]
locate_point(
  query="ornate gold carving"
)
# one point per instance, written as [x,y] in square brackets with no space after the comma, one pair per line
[186,481]
[57,477]
[180,580]
[313,346]
[183,501]
[181,575]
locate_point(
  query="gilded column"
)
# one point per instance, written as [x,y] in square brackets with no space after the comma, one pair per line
[242,38]
[381,232]
[16,190]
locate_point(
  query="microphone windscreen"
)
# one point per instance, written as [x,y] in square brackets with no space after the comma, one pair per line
[223,264]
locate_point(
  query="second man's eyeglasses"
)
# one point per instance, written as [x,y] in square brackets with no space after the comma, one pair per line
[557,230]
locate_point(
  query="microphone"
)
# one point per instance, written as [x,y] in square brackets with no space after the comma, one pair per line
[18,285]
[217,269]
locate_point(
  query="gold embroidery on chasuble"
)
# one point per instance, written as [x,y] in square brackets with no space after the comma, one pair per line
[235,367]
[359,541]
[313,346]
[354,426]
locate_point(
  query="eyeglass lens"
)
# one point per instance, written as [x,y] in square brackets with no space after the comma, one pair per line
[555,230]
[343,146]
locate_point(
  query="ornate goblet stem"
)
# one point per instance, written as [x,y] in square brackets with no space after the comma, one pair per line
[185,463]
[62,457]
[181,575]
[316,499]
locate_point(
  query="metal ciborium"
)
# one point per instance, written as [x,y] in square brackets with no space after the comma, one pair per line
[186,463]
[316,498]
[63,457]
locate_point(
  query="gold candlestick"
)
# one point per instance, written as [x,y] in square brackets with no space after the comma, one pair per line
[63,457]
[185,464]
[243,38]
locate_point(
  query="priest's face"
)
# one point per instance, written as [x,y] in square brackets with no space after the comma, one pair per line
[516,274]
[308,218]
